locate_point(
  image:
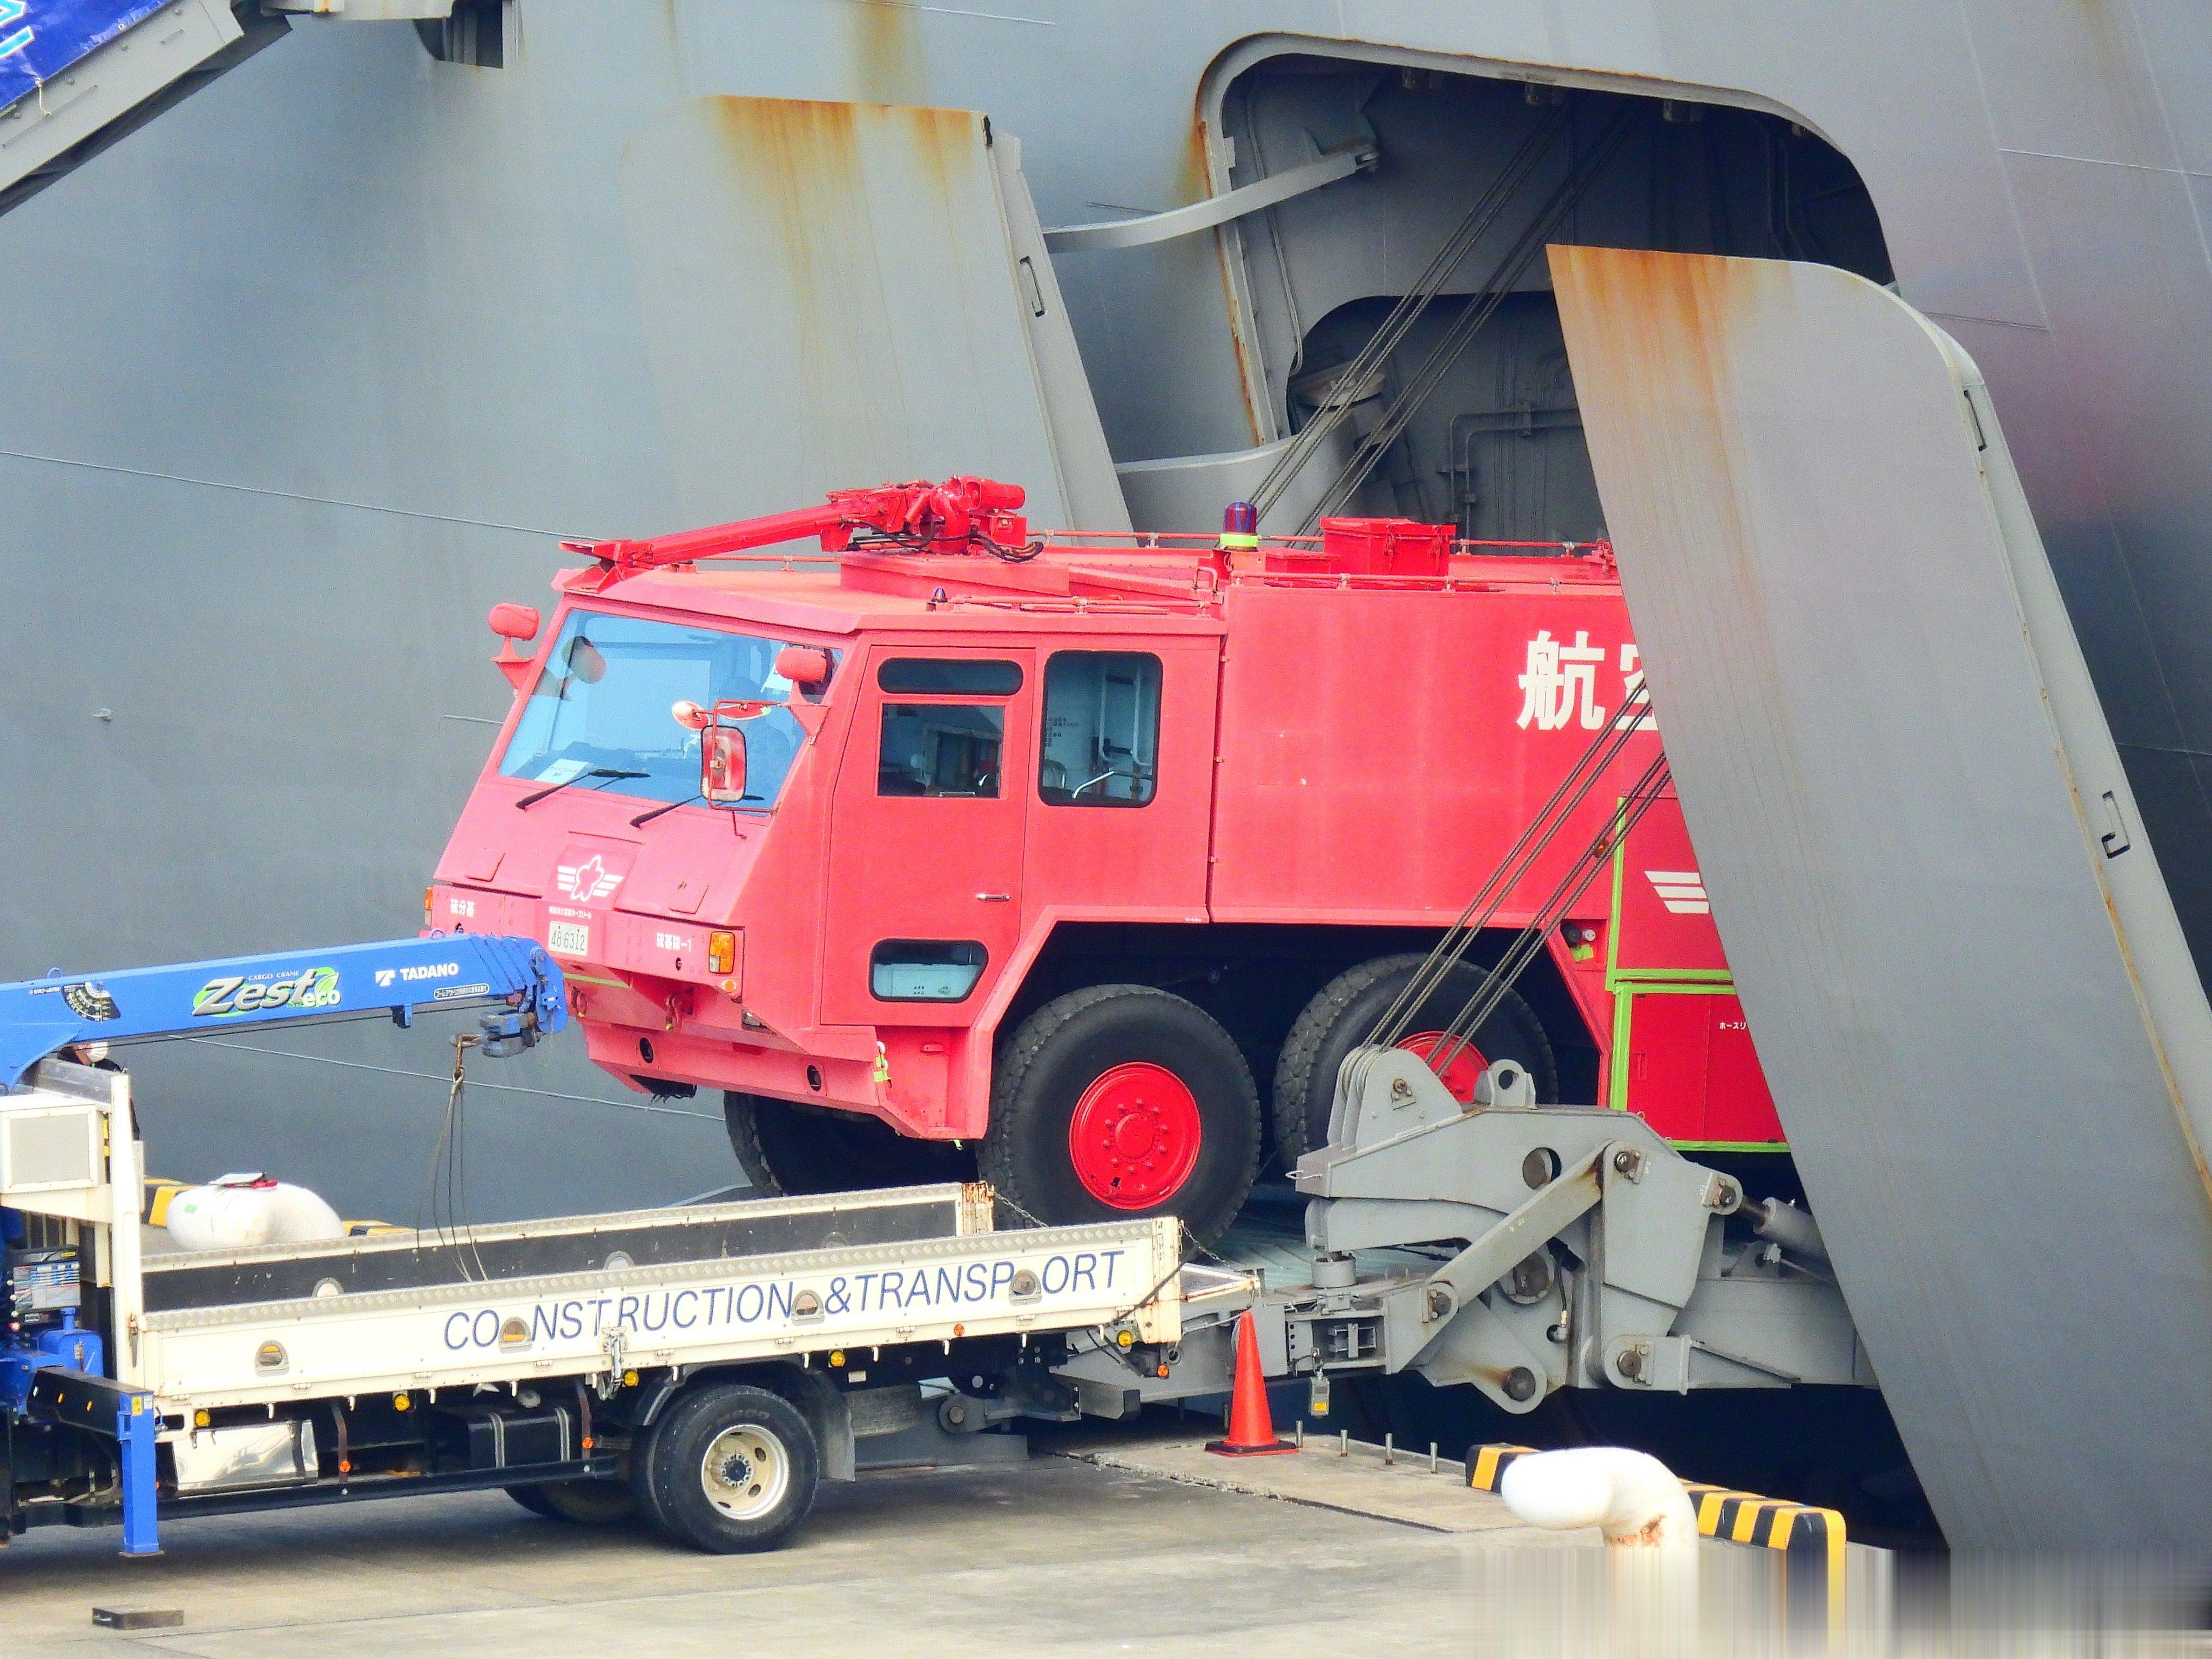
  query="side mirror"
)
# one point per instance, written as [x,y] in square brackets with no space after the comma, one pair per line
[722,765]
[511,623]
[803,664]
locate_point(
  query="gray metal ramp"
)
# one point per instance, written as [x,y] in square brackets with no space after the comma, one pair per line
[1959,960]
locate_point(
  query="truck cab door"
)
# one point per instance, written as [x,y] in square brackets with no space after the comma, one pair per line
[924,904]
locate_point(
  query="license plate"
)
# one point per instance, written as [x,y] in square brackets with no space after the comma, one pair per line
[568,939]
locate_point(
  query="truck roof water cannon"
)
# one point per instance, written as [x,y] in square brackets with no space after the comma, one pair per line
[961,515]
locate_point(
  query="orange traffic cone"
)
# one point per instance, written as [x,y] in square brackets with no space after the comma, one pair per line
[1251,1426]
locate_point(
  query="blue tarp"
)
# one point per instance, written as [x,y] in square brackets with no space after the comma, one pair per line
[39,39]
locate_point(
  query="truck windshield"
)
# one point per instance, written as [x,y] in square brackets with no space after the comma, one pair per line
[602,704]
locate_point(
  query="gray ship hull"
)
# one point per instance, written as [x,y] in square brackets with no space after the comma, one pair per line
[309,372]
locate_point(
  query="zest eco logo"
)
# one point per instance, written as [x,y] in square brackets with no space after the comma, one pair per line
[231,994]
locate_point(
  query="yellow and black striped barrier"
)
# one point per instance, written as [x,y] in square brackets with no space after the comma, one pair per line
[1742,1517]
[155,1210]
[1812,1539]
[1487,1465]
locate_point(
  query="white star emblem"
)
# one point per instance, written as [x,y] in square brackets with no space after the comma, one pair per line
[588,881]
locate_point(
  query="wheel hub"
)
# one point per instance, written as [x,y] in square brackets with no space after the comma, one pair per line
[744,1472]
[1460,1077]
[1134,1137]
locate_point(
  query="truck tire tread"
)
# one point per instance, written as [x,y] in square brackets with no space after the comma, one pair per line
[665,1468]
[744,1124]
[1014,1105]
[595,1503]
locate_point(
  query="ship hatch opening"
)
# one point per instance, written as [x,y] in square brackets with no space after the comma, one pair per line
[1469,417]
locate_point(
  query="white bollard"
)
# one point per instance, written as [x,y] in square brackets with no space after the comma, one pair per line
[1650,1531]
[1629,1496]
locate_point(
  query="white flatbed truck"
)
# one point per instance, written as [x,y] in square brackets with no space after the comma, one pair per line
[706,1366]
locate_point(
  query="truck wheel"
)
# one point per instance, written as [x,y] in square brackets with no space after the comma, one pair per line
[1343,1015]
[534,1499]
[785,1148]
[587,1503]
[1122,1100]
[729,1467]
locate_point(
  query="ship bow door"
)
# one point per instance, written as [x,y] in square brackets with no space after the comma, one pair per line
[1986,1041]
[835,293]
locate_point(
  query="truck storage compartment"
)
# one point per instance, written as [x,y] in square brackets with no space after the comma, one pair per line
[246,1456]
[503,1434]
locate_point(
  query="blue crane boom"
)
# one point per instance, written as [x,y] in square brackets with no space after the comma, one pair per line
[512,977]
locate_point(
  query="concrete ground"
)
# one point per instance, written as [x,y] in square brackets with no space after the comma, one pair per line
[1102,1543]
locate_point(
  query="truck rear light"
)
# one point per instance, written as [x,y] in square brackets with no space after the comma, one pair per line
[721,952]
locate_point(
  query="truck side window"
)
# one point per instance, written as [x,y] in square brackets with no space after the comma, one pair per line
[924,969]
[1102,729]
[941,748]
[951,676]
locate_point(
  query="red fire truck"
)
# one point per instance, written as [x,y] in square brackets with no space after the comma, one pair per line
[1080,861]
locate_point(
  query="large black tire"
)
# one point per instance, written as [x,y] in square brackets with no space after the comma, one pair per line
[784,1148]
[1343,1015]
[1120,1037]
[728,1468]
[587,1503]
[534,1499]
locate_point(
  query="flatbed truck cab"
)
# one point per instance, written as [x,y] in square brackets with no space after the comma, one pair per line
[1085,858]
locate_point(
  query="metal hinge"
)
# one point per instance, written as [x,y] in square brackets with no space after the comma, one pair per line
[2115,840]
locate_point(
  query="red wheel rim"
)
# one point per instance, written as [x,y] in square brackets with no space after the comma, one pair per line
[1466,1066]
[1134,1137]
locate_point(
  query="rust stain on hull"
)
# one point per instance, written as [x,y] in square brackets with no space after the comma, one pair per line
[807,256]
[1199,178]
[887,65]
[1659,321]
[802,160]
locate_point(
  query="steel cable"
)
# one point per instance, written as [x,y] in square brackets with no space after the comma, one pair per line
[449,1168]
[1452,345]
[1410,307]
[1509,871]
[1492,991]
